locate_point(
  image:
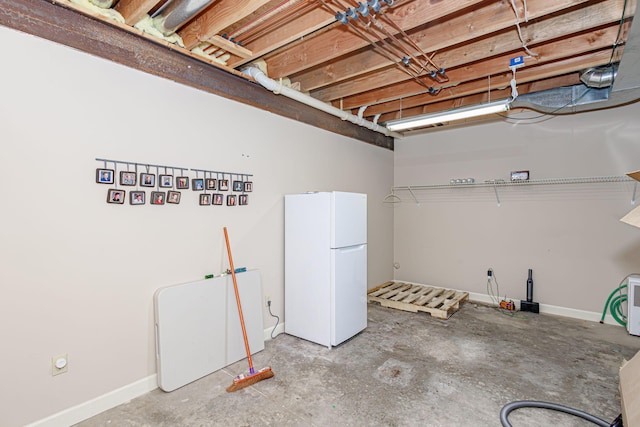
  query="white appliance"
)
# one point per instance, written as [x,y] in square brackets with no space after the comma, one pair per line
[633,301]
[325,266]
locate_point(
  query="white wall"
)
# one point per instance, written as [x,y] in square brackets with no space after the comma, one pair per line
[570,235]
[77,274]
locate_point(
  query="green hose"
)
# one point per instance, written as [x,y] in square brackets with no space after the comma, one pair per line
[614,305]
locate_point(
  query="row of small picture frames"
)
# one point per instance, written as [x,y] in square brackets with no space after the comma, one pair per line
[165,187]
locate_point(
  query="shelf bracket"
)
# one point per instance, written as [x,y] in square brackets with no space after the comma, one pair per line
[415,199]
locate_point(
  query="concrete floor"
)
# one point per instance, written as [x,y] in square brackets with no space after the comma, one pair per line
[408,369]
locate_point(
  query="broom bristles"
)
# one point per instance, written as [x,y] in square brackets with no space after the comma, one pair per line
[242,381]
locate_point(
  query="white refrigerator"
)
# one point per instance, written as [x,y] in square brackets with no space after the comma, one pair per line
[325,266]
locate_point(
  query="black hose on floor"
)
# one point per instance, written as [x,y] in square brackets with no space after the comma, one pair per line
[506,410]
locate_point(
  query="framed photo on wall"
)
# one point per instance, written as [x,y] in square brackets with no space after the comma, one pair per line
[115,196]
[104,176]
[157,197]
[231,200]
[182,183]
[197,184]
[238,185]
[205,199]
[242,200]
[173,197]
[217,199]
[166,181]
[137,197]
[248,186]
[147,179]
[127,178]
[223,185]
[211,184]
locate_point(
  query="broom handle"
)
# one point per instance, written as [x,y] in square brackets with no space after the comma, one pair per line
[235,288]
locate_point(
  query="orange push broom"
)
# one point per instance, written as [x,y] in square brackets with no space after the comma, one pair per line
[253,376]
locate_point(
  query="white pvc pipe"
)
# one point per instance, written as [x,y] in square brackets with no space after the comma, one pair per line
[280,89]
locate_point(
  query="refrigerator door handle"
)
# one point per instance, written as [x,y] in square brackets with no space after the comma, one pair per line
[351,248]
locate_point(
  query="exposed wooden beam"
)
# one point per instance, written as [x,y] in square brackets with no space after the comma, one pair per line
[458,30]
[230,47]
[134,10]
[407,15]
[550,51]
[96,36]
[296,28]
[216,18]
[597,15]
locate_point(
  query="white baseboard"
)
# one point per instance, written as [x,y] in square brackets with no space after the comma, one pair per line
[552,309]
[114,398]
[88,409]
[124,394]
[544,308]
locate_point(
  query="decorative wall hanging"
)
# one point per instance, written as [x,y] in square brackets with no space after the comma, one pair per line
[115,196]
[158,197]
[104,176]
[147,180]
[166,181]
[127,178]
[182,183]
[240,184]
[197,184]
[173,197]
[157,177]
[137,198]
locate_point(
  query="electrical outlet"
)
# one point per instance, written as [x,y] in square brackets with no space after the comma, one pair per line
[267,300]
[59,364]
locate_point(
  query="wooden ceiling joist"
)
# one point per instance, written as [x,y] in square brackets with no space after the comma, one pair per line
[429,54]
[89,34]
[216,18]
[474,51]
[547,52]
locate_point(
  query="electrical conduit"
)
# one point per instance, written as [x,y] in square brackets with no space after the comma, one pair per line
[279,89]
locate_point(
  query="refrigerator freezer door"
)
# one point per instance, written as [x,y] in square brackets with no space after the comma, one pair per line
[348,292]
[349,219]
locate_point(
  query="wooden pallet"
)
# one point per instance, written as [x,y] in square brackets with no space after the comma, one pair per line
[439,302]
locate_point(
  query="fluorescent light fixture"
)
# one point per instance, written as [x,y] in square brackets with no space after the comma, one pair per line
[449,115]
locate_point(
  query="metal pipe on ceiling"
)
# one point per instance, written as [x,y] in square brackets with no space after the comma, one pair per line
[599,77]
[174,13]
